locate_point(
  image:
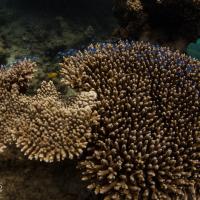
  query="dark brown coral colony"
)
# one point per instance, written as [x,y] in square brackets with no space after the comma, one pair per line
[147,144]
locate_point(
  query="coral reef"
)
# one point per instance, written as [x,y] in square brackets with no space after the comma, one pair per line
[39,30]
[127,113]
[146,145]
[44,126]
[133,120]
[159,19]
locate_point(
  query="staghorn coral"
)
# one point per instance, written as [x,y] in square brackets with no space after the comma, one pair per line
[158,18]
[147,144]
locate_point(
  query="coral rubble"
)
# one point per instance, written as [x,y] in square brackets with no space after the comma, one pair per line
[147,144]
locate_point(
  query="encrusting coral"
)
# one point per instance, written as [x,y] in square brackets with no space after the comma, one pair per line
[147,143]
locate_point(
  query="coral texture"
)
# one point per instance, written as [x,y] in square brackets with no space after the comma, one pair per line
[13,81]
[147,144]
[43,126]
[19,74]
[51,129]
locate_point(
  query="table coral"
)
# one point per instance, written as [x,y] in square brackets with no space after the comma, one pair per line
[44,126]
[51,129]
[147,144]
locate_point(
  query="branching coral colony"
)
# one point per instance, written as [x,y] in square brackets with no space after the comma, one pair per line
[43,126]
[136,113]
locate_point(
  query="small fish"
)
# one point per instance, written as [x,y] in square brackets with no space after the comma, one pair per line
[52,74]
